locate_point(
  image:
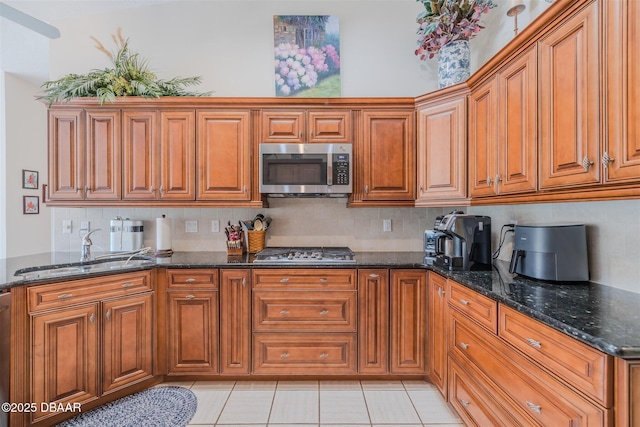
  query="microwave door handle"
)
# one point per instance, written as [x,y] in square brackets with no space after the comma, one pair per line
[329,169]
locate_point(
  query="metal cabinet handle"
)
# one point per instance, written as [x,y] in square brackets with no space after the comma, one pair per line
[323,280]
[464,403]
[324,312]
[284,355]
[534,408]
[284,312]
[152,190]
[64,296]
[489,181]
[606,159]
[161,189]
[190,296]
[127,285]
[440,292]
[92,318]
[244,282]
[420,188]
[77,189]
[284,280]
[534,343]
[464,345]
[366,189]
[373,275]
[108,314]
[464,302]
[586,163]
[190,280]
[324,355]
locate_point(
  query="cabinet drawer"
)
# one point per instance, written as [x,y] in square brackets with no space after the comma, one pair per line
[192,278]
[333,311]
[78,291]
[537,394]
[304,354]
[475,405]
[335,279]
[584,367]
[481,309]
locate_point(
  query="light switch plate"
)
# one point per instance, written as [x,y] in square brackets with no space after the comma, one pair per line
[191,226]
[215,225]
[386,225]
[66,226]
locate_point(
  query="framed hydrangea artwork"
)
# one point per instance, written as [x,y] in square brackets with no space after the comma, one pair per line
[307,56]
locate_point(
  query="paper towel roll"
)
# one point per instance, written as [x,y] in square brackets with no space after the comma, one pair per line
[163,234]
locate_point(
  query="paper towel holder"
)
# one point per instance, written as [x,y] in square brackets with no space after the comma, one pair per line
[162,253]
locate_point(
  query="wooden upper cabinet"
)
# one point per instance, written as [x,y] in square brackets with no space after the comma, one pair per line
[386,162]
[103,155]
[300,126]
[139,160]
[66,155]
[483,138]
[177,155]
[442,151]
[570,101]
[223,153]
[621,156]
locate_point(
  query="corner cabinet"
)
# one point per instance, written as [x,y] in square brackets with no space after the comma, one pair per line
[442,149]
[385,171]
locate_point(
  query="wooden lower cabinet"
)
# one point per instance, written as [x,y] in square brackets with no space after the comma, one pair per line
[408,322]
[373,321]
[627,405]
[437,332]
[235,321]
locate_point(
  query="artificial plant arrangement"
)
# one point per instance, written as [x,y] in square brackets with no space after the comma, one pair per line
[130,76]
[444,21]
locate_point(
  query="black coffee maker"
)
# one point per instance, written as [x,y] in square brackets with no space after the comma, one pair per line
[465,242]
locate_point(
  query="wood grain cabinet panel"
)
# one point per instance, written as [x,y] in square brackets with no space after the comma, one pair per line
[302,126]
[408,322]
[483,137]
[442,151]
[621,156]
[373,321]
[66,155]
[235,321]
[140,152]
[177,155]
[224,155]
[103,152]
[437,332]
[570,101]
[483,310]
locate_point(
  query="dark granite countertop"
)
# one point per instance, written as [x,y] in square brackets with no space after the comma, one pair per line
[601,316]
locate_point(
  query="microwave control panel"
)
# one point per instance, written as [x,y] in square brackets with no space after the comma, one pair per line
[340,169]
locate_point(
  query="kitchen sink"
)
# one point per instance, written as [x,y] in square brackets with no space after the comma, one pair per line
[54,271]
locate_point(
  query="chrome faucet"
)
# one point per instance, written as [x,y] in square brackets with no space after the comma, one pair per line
[85,255]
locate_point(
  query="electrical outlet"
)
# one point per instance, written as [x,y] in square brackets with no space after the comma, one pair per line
[513,221]
[191,226]
[85,226]
[66,226]
[215,225]
[386,225]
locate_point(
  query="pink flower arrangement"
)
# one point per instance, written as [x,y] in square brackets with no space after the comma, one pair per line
[444,21]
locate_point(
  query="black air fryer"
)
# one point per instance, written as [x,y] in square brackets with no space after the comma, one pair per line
[550,252]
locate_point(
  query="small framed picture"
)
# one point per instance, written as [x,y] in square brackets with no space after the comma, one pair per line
[29,179]
[30,205]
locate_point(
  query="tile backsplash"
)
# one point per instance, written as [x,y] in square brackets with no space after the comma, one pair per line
[613,228]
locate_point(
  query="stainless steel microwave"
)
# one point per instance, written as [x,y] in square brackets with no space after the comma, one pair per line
[312,170]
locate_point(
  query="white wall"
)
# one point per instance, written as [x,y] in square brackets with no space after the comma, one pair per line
[25,132]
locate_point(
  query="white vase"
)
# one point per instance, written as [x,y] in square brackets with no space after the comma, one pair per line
[453,63]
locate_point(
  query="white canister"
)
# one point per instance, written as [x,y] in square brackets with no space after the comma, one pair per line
[126,235]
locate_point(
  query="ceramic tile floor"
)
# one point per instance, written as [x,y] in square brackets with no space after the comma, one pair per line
[320,404]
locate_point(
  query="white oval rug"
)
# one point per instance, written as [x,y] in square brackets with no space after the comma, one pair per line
[169,406]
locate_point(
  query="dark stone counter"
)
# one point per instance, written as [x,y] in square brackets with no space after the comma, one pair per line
[601,316]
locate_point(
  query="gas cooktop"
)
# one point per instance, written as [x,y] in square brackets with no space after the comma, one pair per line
[316,255]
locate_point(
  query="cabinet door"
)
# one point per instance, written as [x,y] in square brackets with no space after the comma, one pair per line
[127,341]
[569,102]
[193,332]
[64,365]
[282,126]
[66,155]
[483,139]
[518,112]
[408,321]
[442,152]
[437,335]
[139,161]
[223,155]
[177,155]
[388,161]
[333,126]
[235,321]
[373,321]
[622,37]
[104,162]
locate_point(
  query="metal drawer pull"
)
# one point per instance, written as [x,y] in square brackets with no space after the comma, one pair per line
[440,292]
[375,276]
[586,163]
[284,355]
[190,296]
[324,355]
[534,343]
[127,285]
[108,315]
[190,280]
[464,403]
[534,408]
[284,280]
[323,280]
[464,302]
[324,312]
[464,345]
[92,318]
[284,312]
[64,296]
